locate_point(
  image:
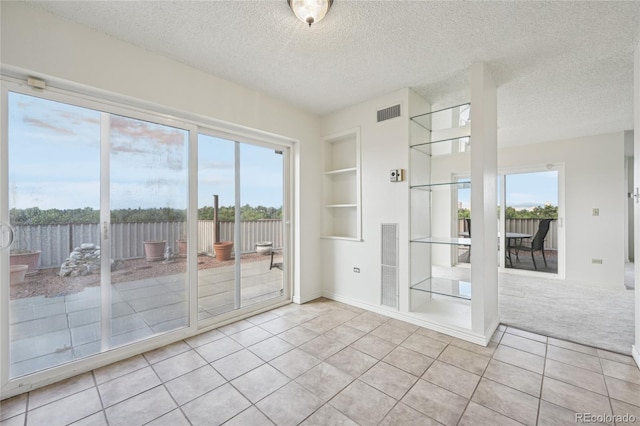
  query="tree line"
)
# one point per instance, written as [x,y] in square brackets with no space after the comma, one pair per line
[37,216]
[538,212]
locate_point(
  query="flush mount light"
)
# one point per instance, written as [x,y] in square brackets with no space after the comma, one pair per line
[310,11]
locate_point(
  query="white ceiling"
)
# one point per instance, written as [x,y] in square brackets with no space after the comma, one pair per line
[563,69]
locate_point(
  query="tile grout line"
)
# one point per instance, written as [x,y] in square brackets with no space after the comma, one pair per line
[475,389]
[544,367]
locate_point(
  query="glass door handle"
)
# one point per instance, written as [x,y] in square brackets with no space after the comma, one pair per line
[6,236]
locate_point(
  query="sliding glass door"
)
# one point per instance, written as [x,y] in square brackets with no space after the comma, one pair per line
[242,228]
[88,190]
[147,217]
[530,221]
[106,250]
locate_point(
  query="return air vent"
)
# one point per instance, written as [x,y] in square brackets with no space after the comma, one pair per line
[389,260]
[389,113]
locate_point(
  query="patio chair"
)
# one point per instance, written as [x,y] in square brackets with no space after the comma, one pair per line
[275,264]
[537,244]
[467,225]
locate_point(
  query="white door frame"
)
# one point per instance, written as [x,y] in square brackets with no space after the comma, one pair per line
[502,173]
[635,350]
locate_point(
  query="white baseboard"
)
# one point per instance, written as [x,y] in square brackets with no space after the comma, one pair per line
[635,353]
[460,333]
[300,301]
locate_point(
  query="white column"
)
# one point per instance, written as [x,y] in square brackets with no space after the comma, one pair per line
[484,162]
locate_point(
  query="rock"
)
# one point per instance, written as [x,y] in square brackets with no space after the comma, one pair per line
[85,260]
[75,255]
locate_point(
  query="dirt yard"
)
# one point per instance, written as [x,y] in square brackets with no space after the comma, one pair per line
[47,282]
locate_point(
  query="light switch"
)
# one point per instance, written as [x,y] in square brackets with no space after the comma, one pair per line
[596,212]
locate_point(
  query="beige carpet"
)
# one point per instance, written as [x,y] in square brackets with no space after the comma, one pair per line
[567,310]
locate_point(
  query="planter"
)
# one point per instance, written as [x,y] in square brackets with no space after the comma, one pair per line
[182,247]
[154,250]
[30,259]
[17,274]
[223,250]
[264,247]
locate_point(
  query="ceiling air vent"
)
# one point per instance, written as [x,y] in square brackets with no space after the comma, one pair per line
[389,113]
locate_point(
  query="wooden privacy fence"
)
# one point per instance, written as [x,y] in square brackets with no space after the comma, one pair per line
[57,241]
[526,226]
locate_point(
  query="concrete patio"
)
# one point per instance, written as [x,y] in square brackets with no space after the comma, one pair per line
[48,331]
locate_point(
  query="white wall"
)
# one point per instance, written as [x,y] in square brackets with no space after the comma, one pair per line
[384,147]
[43,45]
[594,178]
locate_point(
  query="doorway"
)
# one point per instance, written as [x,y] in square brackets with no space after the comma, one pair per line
[529,223]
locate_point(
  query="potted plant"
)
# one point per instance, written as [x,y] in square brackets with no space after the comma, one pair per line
[182,246]
[25,257]
[22,255]
[17,274]
[264,247]
[223,250]
[154,250]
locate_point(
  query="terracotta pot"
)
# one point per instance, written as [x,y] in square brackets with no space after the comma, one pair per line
[17,273]
[31,259]
[223,250]
[154,250]
[182,247]
[264,247]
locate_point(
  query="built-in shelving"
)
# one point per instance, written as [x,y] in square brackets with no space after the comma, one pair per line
[453,275]
[445,287]
[341,186]
[435,135]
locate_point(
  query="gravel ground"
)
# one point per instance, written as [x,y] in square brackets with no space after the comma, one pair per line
[47,282]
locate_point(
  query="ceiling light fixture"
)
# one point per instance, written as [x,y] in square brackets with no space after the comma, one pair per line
[310,11]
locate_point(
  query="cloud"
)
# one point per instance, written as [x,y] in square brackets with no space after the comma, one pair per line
[130,149]
[216,165]
[128,130]
[36,122]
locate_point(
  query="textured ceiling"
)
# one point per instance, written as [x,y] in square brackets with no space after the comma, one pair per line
[563,69]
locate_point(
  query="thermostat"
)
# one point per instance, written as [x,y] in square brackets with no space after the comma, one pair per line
[396,175]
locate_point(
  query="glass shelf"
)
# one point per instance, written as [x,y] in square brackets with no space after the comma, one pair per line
[427,120]
[462,144]
[443,240]
[337,206]
[341,171]
[436,186]
[446,287]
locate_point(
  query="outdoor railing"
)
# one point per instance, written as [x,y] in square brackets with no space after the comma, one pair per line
[527,226]
[56,241]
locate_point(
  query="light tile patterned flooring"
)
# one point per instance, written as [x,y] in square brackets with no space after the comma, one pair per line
[327,363]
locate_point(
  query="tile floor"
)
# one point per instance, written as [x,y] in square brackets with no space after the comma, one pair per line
[327,363]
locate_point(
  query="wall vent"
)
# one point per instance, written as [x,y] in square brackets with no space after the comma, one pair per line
[389,113]
[389,259]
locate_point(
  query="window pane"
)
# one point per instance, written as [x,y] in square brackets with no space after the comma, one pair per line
[148,199]
[54,201]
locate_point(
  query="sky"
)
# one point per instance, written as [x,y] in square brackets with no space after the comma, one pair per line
[54,162]
[524,190]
